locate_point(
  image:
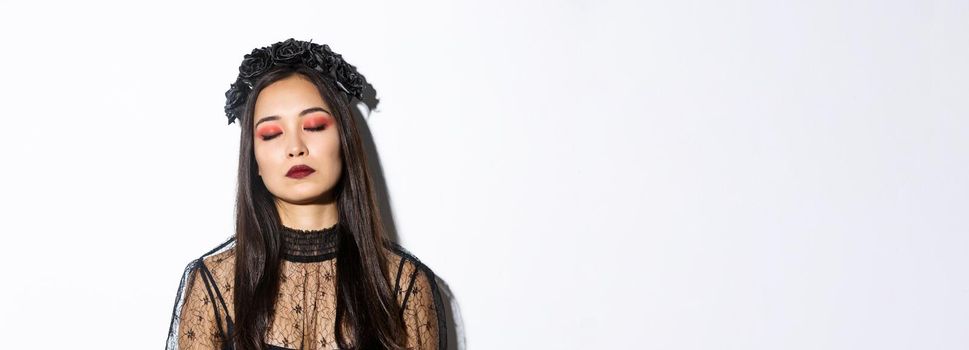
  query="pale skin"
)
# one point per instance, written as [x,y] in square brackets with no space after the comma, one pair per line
[300,129]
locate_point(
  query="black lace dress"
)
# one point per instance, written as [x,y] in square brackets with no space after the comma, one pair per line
[306,305]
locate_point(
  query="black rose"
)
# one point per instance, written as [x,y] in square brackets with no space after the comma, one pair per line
[326,61]
[233,113]
[355,82]
[314,46]
[254,63]
[340,73]
[347,74]
[235,97]
[236,94]
[289,51]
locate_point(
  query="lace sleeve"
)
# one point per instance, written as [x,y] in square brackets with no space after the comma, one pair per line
[194,321]
[423,312]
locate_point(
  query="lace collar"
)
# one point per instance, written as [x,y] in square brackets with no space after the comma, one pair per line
[309,245]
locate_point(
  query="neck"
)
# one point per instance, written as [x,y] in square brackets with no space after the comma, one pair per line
[308,216]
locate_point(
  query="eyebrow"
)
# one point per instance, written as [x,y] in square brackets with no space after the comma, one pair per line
[304,112]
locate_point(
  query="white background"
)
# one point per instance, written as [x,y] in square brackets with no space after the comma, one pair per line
[582,174]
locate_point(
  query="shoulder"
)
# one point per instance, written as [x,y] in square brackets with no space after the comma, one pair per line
[421,300]
[193,315]
[221,250]
[217,263]
[409,275]
[223,254]
[213,256]
[403,262]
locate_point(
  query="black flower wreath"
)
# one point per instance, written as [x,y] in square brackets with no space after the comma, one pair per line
[292,52]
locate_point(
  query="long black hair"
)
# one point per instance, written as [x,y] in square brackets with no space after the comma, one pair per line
[367,313]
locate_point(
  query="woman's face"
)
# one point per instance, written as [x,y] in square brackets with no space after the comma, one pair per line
[294,127]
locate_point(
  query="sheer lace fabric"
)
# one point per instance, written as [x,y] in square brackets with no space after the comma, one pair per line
[306,305]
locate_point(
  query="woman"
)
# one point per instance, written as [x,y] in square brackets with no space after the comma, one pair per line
[309,266]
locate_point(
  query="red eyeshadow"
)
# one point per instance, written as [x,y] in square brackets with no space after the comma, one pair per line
[268,130]
[316,121]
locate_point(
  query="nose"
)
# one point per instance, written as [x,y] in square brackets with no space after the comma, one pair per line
[296,148]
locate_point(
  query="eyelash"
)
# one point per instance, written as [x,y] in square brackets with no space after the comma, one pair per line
[318,128]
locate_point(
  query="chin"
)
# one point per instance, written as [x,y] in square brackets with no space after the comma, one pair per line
[304,193]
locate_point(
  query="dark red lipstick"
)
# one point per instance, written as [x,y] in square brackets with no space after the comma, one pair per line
[299,171]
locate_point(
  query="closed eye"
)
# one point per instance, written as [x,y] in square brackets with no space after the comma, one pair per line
[318,128]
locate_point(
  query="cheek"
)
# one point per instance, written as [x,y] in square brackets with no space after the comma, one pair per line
[328,154]
[263,158]
[324,146]
[334,146]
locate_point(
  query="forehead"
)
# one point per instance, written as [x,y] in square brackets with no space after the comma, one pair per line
[287,97]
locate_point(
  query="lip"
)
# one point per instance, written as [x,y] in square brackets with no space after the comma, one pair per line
[299,171]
